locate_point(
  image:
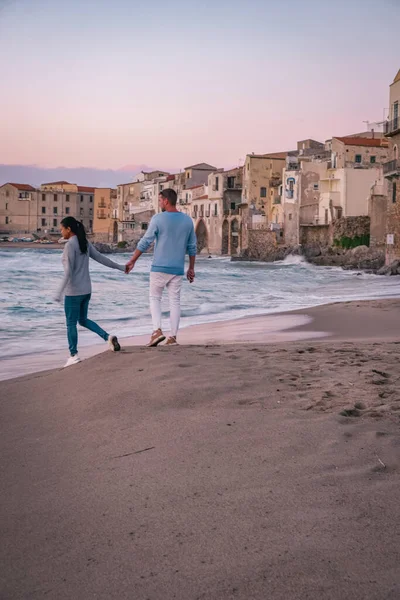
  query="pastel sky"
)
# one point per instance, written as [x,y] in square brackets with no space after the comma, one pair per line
[106,83]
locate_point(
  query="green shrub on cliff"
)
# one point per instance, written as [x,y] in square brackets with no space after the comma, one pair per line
[347,242]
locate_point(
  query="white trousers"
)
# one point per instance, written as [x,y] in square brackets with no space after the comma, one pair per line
[173,283]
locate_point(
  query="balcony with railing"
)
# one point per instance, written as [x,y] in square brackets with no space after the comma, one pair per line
[391,168]
[102,204]
[392,127]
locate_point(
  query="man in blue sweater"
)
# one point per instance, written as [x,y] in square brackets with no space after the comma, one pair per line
[174,237]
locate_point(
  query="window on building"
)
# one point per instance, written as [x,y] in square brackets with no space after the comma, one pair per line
[90,211]
[43,197]
[215,210]
[188,175]
[394,192]
[6,205]
[395,115]
[43,210]
[7,193]
[54,222]
[290,216]
[326,216]
[55,198]
[161,187]
[91,199]
[233,206]
[186,197]
[67,198]
[81,212]
[81,198]
[217,183]
[90,225]
[372,160]
[263,192]
[67,210]
[144,226]
[7,221]
[339,212]
[43,222]
[358,158]
[55,210]
[316,186]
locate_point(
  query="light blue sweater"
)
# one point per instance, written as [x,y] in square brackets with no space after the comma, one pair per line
[174,236]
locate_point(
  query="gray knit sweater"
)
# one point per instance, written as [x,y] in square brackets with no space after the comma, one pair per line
[76,281]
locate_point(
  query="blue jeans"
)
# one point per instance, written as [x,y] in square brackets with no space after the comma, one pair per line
[76,311]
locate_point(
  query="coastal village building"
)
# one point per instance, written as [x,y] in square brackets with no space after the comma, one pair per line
[30,210]
[197,174]
[105,223]
[323,183]
[391,171]
[18,208]
[262,177]
[60,199]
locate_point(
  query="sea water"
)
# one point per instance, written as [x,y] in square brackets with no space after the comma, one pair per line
[31,322]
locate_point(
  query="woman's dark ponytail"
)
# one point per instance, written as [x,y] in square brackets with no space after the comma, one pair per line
[79,230]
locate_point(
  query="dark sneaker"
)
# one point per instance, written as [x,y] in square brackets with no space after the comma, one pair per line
[114,343]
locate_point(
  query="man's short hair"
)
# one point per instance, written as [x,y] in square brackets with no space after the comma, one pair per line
[170,195]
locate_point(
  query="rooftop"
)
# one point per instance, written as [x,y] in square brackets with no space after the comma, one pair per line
[361,141]
[202,167]
[58,183]
[194,187]
[83,188]
[22,187]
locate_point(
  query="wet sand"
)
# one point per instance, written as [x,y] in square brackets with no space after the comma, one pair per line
[366,320]
[239,471]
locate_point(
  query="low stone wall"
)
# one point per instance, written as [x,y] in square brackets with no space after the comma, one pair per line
[351,227]
[263,246]
[316,234]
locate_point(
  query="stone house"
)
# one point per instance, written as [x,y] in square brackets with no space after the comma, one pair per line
[60,199]
[262,176]
[357,152]
[391,171]
[18,208]
[105,222]
[197,174]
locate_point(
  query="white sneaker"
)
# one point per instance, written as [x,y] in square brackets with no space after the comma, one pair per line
[114,343]
[73,360]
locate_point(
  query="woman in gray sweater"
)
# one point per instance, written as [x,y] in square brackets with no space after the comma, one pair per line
[77,287]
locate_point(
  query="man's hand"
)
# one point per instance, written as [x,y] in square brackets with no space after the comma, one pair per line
[129,266]
[191,275]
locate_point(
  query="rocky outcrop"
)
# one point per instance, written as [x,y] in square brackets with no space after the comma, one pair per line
[112,248]
[390,270]
[359,258]
[362,257]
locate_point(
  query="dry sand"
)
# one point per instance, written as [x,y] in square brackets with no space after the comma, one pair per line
[212,473]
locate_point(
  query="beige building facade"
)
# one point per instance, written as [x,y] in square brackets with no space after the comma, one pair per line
[391,171]
[105,223]
[18,209]
[60,199]
[262,176]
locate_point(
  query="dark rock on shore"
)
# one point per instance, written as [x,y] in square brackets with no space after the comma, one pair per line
[390,270]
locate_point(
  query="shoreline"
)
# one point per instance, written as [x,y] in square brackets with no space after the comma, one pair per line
[366,320]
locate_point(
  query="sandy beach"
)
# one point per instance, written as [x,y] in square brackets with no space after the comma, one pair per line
[259,460]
